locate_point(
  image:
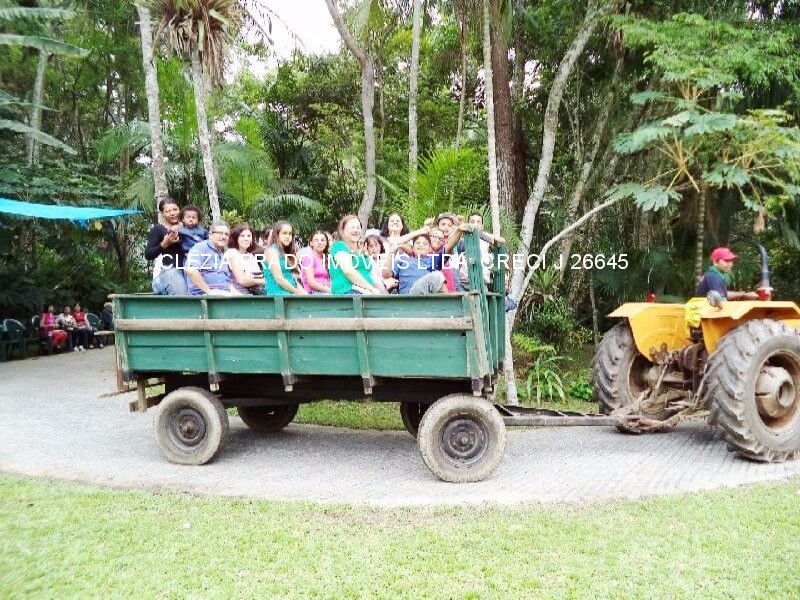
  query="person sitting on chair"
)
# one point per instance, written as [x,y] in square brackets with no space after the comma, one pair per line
[48,329]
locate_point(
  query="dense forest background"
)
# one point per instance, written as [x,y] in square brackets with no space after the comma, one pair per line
[678,118]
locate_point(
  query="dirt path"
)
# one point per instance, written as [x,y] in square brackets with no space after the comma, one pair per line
[53,424]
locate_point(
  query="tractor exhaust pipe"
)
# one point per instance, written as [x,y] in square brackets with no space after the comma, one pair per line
[764,288]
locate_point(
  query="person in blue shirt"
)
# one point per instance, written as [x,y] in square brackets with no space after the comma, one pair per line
[421,272]
[717,277]
[207,268]
[191,231]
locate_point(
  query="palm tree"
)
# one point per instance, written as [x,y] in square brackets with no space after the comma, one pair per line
[201,31]
[153,108]
[46,46]
[465,11]
[412,96]
[367,64]
[494,196]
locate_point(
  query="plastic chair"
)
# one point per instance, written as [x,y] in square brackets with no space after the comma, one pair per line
[101,335]
[19,337]
[3,343]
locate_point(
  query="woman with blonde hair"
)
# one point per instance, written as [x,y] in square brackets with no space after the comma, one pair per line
[349,265]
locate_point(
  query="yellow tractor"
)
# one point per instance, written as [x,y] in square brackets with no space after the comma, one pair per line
[736,362]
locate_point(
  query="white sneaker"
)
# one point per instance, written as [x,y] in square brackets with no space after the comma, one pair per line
[81,348]
[75,349]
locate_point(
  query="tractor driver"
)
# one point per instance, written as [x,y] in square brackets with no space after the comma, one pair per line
[717,277]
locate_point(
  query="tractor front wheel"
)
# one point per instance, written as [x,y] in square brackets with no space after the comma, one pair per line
[621,375]
[752,386]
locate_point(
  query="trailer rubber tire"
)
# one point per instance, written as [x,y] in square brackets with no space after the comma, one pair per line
[268,419]
[190,426]
[615,366]
[754,426]
[462,438]
[411,413]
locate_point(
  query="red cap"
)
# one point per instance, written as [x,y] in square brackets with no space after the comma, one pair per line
[722,254]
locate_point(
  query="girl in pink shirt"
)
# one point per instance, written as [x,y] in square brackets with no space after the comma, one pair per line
[314,265]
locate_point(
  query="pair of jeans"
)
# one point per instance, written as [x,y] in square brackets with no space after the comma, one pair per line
[170,282]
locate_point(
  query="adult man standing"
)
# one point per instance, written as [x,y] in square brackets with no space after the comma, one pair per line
[206,267]
[717,277]
[164,246]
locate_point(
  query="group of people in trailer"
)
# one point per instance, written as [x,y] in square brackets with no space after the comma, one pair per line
[190,260]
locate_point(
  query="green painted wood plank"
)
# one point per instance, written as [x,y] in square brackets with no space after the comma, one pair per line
[248,360]
[283,344]
[208,342]
[121,340]
[361,348]
[180,359]
[432,306]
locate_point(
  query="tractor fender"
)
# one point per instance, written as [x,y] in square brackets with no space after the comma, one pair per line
[717,322]
[654,325]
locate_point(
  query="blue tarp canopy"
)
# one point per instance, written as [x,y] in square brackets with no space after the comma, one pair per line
[80,214]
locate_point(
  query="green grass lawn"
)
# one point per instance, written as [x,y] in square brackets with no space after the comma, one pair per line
[59,540]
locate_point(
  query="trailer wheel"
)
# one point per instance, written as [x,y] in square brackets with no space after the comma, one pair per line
[752,386]
[190,426]
[268,419]
[462,438]
[411,413]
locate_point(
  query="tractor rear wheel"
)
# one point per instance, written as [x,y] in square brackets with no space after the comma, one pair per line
[752,386]
[621,375]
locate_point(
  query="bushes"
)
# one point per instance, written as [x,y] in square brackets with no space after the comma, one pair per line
[555,323]
[543,349]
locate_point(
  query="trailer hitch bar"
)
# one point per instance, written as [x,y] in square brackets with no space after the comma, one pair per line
[523,416]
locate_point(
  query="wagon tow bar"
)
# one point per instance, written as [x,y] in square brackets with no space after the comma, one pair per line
[524,416]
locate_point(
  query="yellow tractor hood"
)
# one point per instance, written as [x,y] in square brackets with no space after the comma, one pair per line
[654,324]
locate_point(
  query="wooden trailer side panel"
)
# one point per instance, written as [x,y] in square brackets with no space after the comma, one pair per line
[214,335]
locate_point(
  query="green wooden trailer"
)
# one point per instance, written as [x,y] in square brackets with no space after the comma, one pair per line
[438,355]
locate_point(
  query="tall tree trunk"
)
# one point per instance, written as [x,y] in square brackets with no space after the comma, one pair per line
[36,109]
[198,82]
[462,101]
[703,196]
[593,15]
[153,107]
[588,161]
[367,104]
[382,129]
[412,99]
[494,199]
[520,146]
[504,122]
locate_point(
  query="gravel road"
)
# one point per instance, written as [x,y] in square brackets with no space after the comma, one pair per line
[54,424]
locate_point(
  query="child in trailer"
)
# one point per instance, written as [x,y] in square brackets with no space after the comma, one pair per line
[421,272]
[314,264]
[282,270]
[190,230]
